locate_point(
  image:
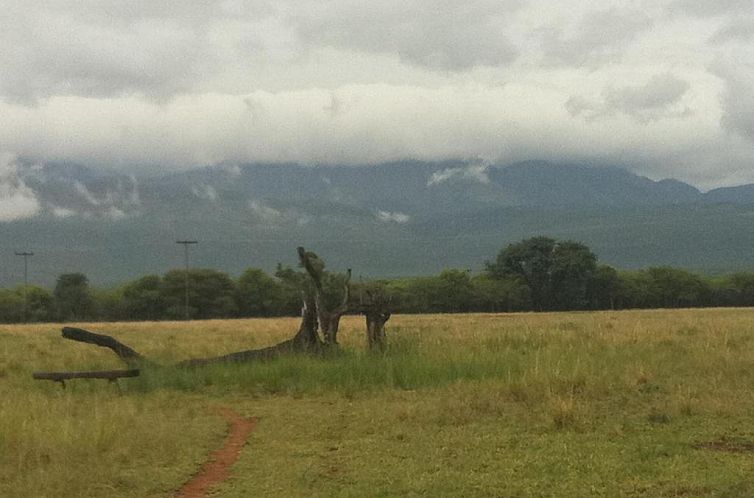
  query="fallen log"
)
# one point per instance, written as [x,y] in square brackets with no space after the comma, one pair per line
[306,341]
[125,353]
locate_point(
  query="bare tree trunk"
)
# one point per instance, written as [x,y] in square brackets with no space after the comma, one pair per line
[125,353]
[376,312]
[306,340]
[376,319]
[329,320]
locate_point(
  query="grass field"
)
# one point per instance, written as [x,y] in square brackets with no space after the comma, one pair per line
[640,403]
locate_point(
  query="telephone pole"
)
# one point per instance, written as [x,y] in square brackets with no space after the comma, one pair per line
[186,244]
[26,255]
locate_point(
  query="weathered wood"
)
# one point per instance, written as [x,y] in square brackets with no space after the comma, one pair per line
[376,339]
[377,314]
[329,320]
[102,374]
[306,340]
[124,352]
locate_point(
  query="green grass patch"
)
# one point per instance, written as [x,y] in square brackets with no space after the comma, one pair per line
[578,404]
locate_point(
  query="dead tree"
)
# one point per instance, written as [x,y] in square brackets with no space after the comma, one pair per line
[377,314]
[329,320]
[129,356]
[314,316]
[306,340]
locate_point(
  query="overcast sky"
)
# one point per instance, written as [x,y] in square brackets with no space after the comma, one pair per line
[665,87]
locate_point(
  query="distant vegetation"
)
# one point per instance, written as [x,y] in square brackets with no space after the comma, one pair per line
[536,274]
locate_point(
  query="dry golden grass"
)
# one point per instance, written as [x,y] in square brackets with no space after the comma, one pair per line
[561,404]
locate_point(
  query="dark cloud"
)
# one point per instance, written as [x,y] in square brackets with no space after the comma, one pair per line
[738,30]
[658,98]
[711,8]
[50,53]
[446,35]
[599,37]
[738,97]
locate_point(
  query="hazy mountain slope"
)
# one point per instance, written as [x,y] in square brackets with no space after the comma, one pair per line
[393,219]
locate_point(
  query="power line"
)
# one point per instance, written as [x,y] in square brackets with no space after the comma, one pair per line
[186,244]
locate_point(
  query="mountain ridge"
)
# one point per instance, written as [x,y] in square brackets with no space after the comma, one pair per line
[391,219]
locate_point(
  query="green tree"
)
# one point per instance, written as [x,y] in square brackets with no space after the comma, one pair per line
[499,294]
[109,304]
[676,288]
[40,304]
[743,285]
[292,284]
[259,294]
[604,288]
[212,294]
[144,299]
[558,274]
[36,301]
[455,292]
[73,299]
[11,306]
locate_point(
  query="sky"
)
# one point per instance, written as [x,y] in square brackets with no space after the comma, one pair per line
[662,87]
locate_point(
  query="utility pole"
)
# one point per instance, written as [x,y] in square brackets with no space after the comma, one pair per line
[186,244]
[26,256]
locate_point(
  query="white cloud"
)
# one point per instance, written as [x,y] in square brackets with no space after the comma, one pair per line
[394,217]
[206,192]
[473,172]
[61,212]
[85,194]
[17,201]
[264,212]
[147,85]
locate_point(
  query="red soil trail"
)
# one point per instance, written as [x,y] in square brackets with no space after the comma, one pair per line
[217,468]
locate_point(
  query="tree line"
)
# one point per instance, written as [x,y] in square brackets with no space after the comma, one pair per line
[536,274]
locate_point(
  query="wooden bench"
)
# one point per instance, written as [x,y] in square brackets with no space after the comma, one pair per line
[110,375]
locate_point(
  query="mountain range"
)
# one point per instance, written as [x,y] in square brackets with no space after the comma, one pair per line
[395,219]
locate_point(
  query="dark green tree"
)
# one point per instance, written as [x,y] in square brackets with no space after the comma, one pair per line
[604,288]
[676,288]
[455,291]
[143,299]
[743,285]
[40,304]
[73,299]
[109,304]
[499,294]
[293,284]
[32,303]
[11,306]
[557,274]
[259,294]
[212,294]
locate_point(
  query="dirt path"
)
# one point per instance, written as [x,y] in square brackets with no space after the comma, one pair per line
[217,468]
